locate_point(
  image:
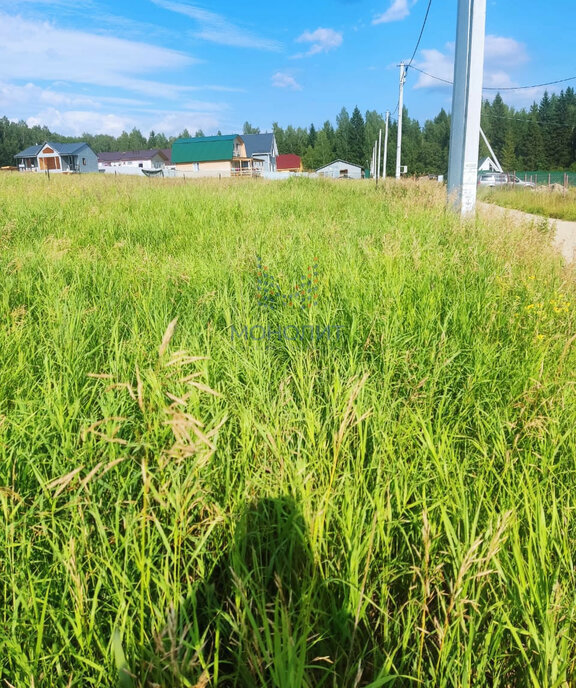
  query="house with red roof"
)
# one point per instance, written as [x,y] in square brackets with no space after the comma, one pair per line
[289,163]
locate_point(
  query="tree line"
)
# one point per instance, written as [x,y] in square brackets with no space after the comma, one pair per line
[542,137]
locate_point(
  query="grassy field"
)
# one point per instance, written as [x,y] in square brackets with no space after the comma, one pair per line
[538,202]
[386,498]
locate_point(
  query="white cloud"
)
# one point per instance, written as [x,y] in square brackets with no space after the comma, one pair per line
[499,50]
[76,122]
[322,41]
[501,54]
[217,29]
[43,52]
[283,80]
[398,10]
[172,123]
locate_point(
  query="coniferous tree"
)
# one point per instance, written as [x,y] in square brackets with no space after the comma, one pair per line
[356,138]
[342,136]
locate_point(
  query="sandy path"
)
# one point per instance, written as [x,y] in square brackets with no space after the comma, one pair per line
[564,231]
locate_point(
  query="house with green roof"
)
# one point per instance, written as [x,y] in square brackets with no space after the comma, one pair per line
[212,156]
[58,157]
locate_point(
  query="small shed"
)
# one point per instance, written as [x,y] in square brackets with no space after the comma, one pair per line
[289,163]
[340,169]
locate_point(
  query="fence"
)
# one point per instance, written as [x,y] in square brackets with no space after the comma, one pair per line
[545,177]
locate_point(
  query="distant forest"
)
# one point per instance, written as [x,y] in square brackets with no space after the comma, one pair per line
[540,138]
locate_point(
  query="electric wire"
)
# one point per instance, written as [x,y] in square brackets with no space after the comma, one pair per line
[420,36]
[494,88]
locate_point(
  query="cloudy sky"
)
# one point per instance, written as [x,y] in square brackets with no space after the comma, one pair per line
[105,66]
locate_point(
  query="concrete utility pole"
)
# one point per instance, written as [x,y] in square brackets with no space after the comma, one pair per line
[379,156]
[400,109]
[384,161]
[466,105]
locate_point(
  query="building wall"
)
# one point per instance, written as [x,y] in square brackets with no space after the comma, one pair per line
[154,163]
[90,158]
[211,168]
[269,162]
[335,169]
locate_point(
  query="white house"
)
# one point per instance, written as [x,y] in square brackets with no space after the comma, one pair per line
[262,149]
[488,165]
[341,169]
[132,162]
[58,157]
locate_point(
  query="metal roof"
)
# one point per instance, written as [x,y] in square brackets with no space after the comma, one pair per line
[61,148]
[131,155]
[288,161]
[344,162]
[258,143]
[204,148]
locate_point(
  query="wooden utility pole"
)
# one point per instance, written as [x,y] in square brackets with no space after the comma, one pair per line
[400,110]
[466,105]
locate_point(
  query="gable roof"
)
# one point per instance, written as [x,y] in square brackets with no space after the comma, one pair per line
[344,162]
[288,161]
[204,148]
[132,155]
[258,143]
[61,148]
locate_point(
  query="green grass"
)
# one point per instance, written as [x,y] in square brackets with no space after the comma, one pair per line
[393,507]
[539,201]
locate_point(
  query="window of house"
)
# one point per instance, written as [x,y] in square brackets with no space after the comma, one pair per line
[140,164]
[83,161]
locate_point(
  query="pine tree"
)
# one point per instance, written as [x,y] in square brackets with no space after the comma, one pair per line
[312,136]
[356,138]
[342,135]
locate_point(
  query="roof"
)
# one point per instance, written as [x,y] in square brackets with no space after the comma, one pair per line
[168,153]
[258,143]
[344,162]
[132,155]
[61,148]
[288,161]
[204,148]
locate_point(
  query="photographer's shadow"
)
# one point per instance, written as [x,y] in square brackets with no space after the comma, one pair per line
[281,623]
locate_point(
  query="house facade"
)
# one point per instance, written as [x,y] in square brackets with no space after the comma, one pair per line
[262,149]
[289,163]
[153,159]
[58,157]
[340,169]
[212,156]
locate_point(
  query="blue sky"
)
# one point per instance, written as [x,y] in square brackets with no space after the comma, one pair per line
[104,66]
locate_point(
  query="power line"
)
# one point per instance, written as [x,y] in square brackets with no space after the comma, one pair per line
[494,88]
[415,50]
[519,88]
[527,119]
[420,36]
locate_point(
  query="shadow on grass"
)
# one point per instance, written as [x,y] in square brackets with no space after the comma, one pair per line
[279,622]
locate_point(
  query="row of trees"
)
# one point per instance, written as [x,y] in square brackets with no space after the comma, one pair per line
[541,137]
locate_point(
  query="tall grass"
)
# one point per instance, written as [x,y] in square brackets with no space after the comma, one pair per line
[393,506]
[539,201]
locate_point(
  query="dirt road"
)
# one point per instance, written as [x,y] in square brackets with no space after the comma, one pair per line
[564,231]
